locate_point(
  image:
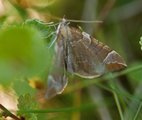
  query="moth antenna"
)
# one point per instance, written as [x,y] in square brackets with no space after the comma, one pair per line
[77,21]
[84,21]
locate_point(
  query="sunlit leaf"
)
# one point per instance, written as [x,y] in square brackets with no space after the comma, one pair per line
[22,86]
[22,53]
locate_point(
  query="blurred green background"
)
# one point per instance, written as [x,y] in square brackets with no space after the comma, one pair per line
[115,97]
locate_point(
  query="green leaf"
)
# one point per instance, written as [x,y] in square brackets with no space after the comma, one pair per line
[25,103]
[47,32]
[23,53]
[21,86]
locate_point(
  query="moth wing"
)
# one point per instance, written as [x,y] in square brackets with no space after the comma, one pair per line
[57,79]
[83,59]
[86,56]
[114,61]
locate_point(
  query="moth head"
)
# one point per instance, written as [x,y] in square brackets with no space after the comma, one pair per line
[60,29]
[63,28]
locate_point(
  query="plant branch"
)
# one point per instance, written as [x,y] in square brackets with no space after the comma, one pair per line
[7,113]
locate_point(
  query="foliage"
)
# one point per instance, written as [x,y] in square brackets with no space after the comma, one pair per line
[21,53]
[25,103]
[27,50]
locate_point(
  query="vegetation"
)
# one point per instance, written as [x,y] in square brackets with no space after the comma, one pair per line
[27,38]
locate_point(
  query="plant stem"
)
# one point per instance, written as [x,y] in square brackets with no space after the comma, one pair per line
[7,113]
[118,105]
[135,117]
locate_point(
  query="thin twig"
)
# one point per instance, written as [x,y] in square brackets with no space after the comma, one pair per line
[7,113]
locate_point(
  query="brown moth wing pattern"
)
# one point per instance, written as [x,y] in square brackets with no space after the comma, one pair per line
[79,53]
[57,79]
[86,56]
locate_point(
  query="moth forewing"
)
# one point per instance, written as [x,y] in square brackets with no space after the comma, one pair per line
[57,79]
[85,56]
[114,61]
[79,53]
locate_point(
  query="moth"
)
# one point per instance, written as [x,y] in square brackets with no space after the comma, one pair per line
[80,54]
